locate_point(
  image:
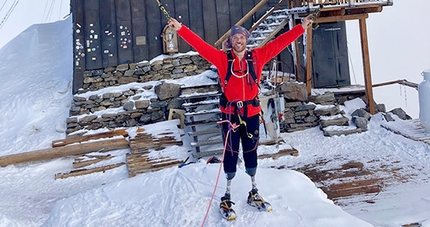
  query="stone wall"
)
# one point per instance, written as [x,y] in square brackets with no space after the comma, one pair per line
[137,105]
[167,68]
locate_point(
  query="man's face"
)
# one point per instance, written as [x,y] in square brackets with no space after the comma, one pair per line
[238,42]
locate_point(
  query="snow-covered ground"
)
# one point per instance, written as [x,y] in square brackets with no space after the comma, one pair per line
[36,75]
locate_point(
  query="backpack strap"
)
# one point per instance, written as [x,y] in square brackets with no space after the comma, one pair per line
[230,62]
[250,62]
[251,69]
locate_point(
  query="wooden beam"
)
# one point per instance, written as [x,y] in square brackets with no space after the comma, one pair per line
[80,172]
[81,138]
[240,22]
[355,10]
[64,151]
[366,65]
[89,160]
[402,82]
[297,55]
[341,18]
[309,60]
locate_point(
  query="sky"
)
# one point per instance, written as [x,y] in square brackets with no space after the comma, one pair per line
[16,19]
[35,102]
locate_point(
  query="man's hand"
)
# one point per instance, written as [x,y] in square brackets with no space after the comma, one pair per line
[307,22]
[174,24]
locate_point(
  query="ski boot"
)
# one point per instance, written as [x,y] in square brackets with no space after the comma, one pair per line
[255,200]
[226,209]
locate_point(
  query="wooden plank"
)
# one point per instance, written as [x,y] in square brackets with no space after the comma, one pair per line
[309,61]
[64,151]
[79,42]
[137,163]
[154,27]
[78,34]
[223,17]
[210,24]
[140,35]
[341,18]
[196,17]
[124,31]
[83,138]
[224,23]
[93,52]
[235,8]
[366,65]
[247,5]
[82,161]
[80,172]
[108,34]
[182,14]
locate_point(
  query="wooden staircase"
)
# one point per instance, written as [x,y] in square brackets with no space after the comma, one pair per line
[271,26]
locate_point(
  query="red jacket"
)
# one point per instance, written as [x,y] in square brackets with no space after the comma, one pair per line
[240,89]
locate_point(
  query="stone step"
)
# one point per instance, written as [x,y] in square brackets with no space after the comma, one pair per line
[201,103]
[203,112]
[199,95]
[206,142]
[202,154]
[206,132]
[203,122]
[340,130]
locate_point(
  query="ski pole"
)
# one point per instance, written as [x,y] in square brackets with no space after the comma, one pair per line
[166,14]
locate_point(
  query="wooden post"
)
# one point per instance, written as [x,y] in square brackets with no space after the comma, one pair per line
[366,65]
[296,55]
[309,60]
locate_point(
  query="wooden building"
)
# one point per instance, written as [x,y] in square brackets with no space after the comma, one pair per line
[113,32]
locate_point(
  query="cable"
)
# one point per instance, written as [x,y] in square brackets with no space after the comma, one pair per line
[51,9]
[48,14]
[3,5]
[59,11]
[44,11]
[9,12]
[352,65]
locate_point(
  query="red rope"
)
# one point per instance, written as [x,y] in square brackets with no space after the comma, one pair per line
[220,167]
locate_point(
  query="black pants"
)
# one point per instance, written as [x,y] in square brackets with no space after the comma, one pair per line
[249,135]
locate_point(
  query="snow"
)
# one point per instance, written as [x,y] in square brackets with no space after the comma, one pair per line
[36,75]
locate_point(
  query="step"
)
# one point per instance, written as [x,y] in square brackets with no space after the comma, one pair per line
[202,154]
[206,142]
[205,132]
[203,122]
[203,112]
[199,95]
[201,103]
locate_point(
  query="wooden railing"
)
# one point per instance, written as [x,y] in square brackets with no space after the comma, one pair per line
[309,3]
[247,16]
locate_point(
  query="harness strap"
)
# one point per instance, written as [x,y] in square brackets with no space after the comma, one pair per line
[250,62]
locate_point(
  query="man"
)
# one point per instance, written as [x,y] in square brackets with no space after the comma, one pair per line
[239,72]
